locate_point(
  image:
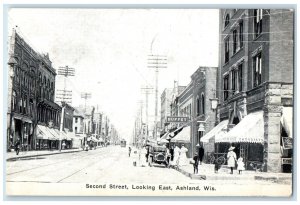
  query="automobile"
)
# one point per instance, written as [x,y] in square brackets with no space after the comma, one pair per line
[157,155]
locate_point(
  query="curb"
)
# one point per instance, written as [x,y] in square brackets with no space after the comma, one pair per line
[38,155]
[277,179]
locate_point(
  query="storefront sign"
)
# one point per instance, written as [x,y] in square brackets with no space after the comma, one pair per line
[286,160]
[287,143]
[177,119]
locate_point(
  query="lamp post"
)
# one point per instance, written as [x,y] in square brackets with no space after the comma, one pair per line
[12,63]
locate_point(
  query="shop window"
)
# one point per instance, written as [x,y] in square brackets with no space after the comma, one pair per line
[257,70]
[226,42]
[225,86]
[258,13]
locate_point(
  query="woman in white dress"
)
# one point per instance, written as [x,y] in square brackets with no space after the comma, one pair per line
[174,162]
[183,160]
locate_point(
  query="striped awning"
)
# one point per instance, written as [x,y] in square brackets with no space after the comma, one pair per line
[250,129]
[287,120]
[184,136]
[217,131]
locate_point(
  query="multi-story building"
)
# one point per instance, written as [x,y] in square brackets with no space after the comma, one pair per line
[165,110]
[31,93]
[255,84]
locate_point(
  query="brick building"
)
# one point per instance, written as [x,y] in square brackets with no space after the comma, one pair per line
[255,83]
[30,96]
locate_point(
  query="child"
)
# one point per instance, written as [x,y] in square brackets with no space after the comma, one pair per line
[240,165]
[196,163]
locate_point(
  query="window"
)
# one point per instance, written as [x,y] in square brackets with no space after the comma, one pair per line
[233,81]
[198,105]
[225,86]
[240,77]
[14,101]
[76,130]
[25,104]
[226,20]
[21,104]
[202,104]
[31,107]
[258,21]
[257,70]
[226,50]
[76,119]
[234,35]
[241,30]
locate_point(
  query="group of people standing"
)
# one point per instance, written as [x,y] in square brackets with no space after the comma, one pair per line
[178,156]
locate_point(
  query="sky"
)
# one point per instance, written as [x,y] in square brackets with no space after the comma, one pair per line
[109,48]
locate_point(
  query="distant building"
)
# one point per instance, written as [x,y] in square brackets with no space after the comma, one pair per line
[165,100]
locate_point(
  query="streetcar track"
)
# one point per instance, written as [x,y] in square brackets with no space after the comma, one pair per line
[81,157]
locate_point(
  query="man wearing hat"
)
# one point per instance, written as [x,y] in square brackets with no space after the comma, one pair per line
[231,159]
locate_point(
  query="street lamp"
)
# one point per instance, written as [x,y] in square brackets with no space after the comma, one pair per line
[12,63]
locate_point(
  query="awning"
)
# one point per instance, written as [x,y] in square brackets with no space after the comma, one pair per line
[287,120]
[94,139]
[54,133]
[165,136]
[183,136]
[71,135]
[250,129]
[217,131]
[44,132]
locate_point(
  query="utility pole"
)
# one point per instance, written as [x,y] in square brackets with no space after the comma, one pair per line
[65,95]
[86,96]
[147,90]
[66,72]
[157,62]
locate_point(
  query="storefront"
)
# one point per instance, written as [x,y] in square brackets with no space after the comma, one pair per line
[46,138]
[208,140]
[286,139]
[247,137]
[183,137]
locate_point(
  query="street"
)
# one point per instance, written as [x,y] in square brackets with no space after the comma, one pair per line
[103,165]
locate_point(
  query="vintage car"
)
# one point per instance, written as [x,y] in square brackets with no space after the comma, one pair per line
[157,155]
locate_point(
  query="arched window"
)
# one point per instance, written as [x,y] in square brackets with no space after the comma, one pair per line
[226,20]
[202,104]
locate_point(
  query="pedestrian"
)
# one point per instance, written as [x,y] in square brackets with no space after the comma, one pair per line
[183,160]
[17,146]
[176,156]
[240,165]
[129,149]
[217,166]
[195,162]
[201,153]
[144,157]
[172,152]
[231,159]
[168,157]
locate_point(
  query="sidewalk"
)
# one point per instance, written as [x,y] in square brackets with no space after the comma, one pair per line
[207,172]
[36,153]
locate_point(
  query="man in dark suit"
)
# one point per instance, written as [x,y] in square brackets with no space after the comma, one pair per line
[201,153]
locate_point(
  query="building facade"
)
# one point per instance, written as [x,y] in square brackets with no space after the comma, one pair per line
[255,76]
[165,109]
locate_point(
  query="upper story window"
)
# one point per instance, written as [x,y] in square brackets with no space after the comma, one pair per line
[234,36]
[258,13]
[202,104]
[14,101]
[241,31]
[233,81]
[226,20]
[76,119]
[198,106]
[226,47]
[225,86]
[240,77]
[257,70]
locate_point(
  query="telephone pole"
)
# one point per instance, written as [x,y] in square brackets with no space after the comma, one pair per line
[65,96]
[86,96]
[157,62]
[147,90]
